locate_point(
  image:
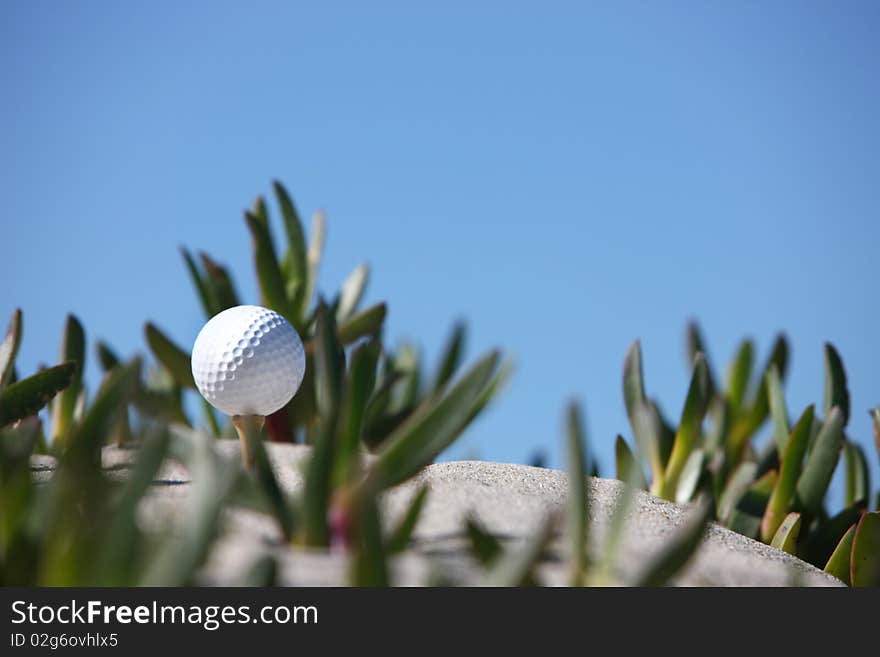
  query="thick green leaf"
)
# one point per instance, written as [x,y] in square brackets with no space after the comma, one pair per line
[9,348]
[786,536]
[271,489]
[825,535]
[738,483]
[370,561]
[628,467]
[365,323]
[352,292]
[691,475]
[516,567]
[778,411]
[316,250]
[26,397]
[819,468]
[603,574]
[695,407]
[838,564]
[16,446]
[106,356]
[272,285]
[836,391]
[84,441]
[119,545]
[329,363]
[218,281]
[294,264]
[484,546]
[858,482]
[262,572]
[402,533]
[203,291]
[359,385]
[578,500]
[73,348]
[865,557]
[875,420]
[451,357]
[172,357]
[317,487]
[678,549]
[213,479]
[647,434]
[750,508]
[739,373]
[431,429]
[790,470]
[696,345]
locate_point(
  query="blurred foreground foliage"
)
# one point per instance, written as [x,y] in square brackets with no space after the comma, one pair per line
[74,511]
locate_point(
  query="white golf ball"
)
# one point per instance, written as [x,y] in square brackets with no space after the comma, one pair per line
[248,360]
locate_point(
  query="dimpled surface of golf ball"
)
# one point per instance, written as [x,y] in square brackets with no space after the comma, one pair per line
[248,360]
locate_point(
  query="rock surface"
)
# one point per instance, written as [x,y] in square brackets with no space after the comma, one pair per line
[509,500]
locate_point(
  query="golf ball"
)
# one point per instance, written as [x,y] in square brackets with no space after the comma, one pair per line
[248,360]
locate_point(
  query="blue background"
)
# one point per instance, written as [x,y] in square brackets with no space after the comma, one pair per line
[566,176]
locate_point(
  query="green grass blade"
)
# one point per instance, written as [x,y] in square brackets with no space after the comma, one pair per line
[786,536]
[695,407]
[865,557]
[431,429]
[451,357]
[173,358]
[858,482]
[209,303]
[836,391]
[26,397]
[73,348]
[627,466]
[365,323]
[401,535]
[678,549]
[790,470]
[578,500]
[817,472]
[838,563]
[9,348]
[352,292]
[778,410]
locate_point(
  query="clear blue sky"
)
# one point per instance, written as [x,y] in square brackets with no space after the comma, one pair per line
[566,176]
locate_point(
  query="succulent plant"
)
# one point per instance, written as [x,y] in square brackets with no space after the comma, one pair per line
[776,492]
